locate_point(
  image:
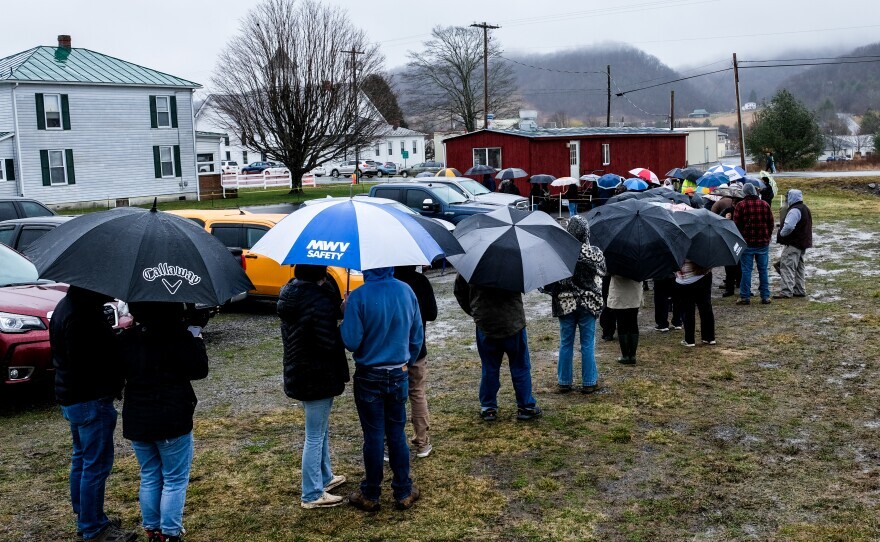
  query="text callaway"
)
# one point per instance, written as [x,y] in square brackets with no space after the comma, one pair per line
[165,270]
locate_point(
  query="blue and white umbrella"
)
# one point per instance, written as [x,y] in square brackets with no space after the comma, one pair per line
[352,234]
[635,184]
[733,173]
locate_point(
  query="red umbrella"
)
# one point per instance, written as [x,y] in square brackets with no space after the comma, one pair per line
[645,174]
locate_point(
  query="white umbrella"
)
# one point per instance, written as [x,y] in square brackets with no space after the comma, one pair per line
[565,181]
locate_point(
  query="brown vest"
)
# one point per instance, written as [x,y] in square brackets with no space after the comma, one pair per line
[802,235]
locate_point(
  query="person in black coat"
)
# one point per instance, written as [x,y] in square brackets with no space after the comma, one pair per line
[161,356]
[315,371]
[418,371]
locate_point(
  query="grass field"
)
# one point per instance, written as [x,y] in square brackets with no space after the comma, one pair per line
[772,434]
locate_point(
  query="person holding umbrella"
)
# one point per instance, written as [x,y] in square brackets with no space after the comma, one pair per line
[489,182]
[315,371]
[161,356]
[695,291]
[571,194]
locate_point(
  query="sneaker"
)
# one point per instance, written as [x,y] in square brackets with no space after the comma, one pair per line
[766,301]
[743,301]
[685,343]
[116,522]
[407,503]
[675,327]
[489,415]
[358,500]
[780,296]
[661,329]
[424,451]
[112,533]
[153,535]
[563,388]
[608,337]
[712,342]
[526,414]
[335,482]
[324,501]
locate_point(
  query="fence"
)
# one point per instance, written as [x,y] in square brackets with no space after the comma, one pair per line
[264,180]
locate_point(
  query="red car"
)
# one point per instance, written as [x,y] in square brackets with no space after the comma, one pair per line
[26,305]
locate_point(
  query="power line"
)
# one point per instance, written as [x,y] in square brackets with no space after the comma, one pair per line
[633,103]
[548,69]
[623,93]
[808,59]
[812,64]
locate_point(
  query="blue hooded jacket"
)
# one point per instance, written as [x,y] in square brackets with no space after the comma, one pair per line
[382,325]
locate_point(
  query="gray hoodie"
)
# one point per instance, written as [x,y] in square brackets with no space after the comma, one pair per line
[793,216]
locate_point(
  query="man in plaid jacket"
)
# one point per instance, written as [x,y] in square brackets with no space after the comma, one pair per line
[755,221]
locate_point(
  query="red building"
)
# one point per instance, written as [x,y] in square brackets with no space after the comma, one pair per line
[571,152]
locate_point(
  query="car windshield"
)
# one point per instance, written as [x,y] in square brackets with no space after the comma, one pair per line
[15,268]
[403,208]
[448,195]
[474,187]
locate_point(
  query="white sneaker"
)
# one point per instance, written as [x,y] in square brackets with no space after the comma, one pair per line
[708,342]
[335,482]
[324,501]
[425,451]
[685,343]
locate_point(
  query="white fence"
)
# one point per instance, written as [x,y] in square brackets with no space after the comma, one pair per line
[270,178]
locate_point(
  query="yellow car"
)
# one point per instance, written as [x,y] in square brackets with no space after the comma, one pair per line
[242,229]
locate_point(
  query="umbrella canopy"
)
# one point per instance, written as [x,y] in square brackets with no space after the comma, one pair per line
[589,177]
[688,173]
[565,181]
[635,183]
[424,174]
[669,194]
[136,254]
[759,184]
[480,169]
[350,233]
[715,241]
[640,239]
[514,250]
[675,173]
[733,172]
[729,192]
[712,180]
[609,180]
[448,172]
[542,179]
[645,174]
[511,173]
[643,196]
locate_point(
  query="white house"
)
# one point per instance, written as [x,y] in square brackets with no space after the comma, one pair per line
[80,127]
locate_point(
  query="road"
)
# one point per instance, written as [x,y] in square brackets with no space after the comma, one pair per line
[828,174]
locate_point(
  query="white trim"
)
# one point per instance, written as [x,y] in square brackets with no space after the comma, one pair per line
[500,156]
[63,166]
[2,170]
[606,154]
[168,106]
[46,113]
[20,176]
[170,150]
[192,117]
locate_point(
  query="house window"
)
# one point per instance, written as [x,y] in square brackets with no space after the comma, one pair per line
[228,156]
[57,167]
[415,147]
[402,147]
[390,149]
[606,154]
[163,111]
[488,157]
[244,158]
[204,161]
[226,141]
[572,154]
[52,108]
[378,150]
[166,161]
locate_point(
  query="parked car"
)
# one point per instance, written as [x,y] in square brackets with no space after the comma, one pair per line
[385,201]
[259,167]
[229,166]
[16,207]
[431,201]
[430,167]
[367,167]
[19,233]
[475,191]
[839,158]
[388,169]
[26,305]
[241,230]
[318,171]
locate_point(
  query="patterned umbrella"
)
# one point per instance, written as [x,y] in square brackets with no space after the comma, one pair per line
[733,172]
[448,172]
[645,174]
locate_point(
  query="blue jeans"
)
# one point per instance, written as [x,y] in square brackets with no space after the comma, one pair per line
[761,256]
[491,353]
[583,320]
[164,478]
[380,397]
[572,208]
[316,471]
[91,426]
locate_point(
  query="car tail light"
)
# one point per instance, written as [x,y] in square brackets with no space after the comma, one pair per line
[243,262]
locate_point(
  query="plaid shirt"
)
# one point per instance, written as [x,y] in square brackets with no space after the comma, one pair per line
[755,222]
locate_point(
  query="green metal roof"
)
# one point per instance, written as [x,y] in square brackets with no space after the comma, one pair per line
[76,65]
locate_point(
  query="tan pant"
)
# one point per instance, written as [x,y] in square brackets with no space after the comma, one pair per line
[791,269]
[418,401]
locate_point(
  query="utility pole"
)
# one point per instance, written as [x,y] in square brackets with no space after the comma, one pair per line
[608,114]
[355,92]
[671,110]
[739,118]
[486,28]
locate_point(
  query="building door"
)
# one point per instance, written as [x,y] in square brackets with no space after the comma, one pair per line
[574,158]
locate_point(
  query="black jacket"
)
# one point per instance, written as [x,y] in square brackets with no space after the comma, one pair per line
[160,362]
[421,286]
[315,366]
[85,351]
[498,313]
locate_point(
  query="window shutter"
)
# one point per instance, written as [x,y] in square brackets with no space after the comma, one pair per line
[154,121]
[65,112]
[177,161]
[71,176]
[157,164]
[174,111]
[10,169]
[44,165]
[41,112]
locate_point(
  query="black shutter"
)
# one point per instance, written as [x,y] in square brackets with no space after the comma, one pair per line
[41,112]
[154,121]
[177,161]
[71,176]
[10,169]
[44,166]
[157,162]
[174,111]
[65,112]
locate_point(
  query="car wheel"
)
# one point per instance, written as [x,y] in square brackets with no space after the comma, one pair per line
[369,176]
[335,173]
[380,174]
[404,174]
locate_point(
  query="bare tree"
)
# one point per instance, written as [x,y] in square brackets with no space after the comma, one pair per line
[445,79]
[285,84]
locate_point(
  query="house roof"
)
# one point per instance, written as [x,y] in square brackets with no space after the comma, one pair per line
[547,133]
[45,64]
[390,131]
[200,133]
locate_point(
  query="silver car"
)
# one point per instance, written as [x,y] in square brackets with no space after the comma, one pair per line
[474,191]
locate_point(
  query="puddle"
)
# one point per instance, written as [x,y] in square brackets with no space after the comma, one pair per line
[768,365]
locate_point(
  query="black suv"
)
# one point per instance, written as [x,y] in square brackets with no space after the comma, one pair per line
[432,201]
[17,207]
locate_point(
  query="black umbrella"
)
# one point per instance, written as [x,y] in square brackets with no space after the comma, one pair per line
[675,173]
[542,179]
[645,196]
[692,173]
[134,254]
[640,240]
[480,170]
[514,250]
[511,173]
[440,234]
[669,194]
[715,241]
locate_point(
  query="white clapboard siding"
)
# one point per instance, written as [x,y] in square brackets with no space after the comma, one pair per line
[112,143]
[6,122]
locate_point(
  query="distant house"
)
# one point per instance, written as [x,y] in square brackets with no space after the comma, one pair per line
[78,127]
[749,106]
[699,114]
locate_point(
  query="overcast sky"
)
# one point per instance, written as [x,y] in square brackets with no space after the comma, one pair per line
[183,37]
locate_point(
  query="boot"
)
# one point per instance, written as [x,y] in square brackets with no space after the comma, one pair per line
[633,346]
[626,349]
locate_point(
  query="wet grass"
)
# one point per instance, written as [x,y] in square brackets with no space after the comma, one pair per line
[770,435]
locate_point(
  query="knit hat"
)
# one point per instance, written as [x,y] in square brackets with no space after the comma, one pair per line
[749,190]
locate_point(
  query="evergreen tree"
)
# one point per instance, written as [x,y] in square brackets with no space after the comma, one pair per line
[786,128]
